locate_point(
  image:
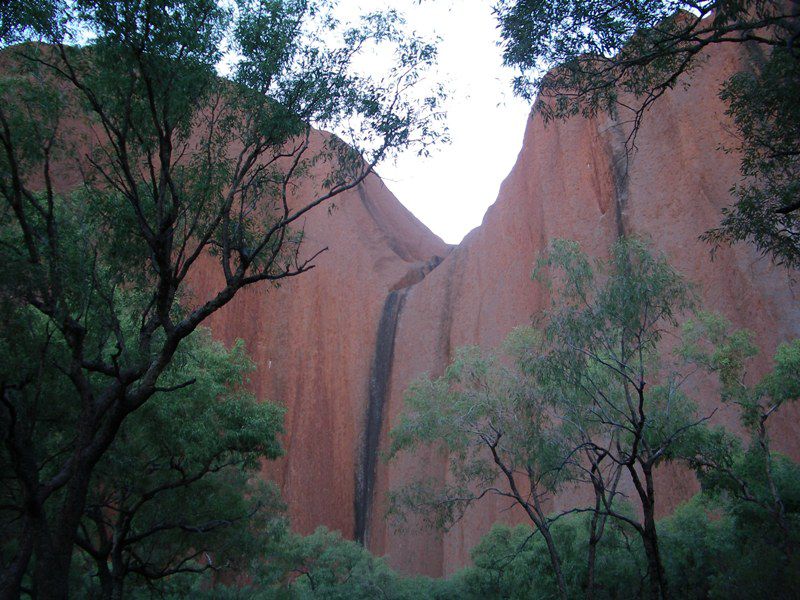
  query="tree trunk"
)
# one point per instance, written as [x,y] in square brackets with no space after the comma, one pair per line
[536,514]
[554,561]
[117,589]
[11,577]
[594,538]
[778,508]
[119,571]
[55,543]
[51,574]
[540,520]
[22,452]
[106,580]
[658,579]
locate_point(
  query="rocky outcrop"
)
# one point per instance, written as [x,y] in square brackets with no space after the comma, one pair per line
[322,344]
[571,180]
[389,302]
[340,345]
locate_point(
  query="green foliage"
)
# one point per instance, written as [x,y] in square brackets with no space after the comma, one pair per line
[511,562]
[728,555]
[710,550]
[709,342]
[175,493]
[635,289]
[330,567]
[599,361]
[324,565]
[480,414]
[618,396]
[125,160]
[764,108]
[586,397]
[756,487]
[782,384]
[694,545]
[20,20]
[178,491]
[600,50]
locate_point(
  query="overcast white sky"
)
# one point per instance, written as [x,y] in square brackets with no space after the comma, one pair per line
[451,190]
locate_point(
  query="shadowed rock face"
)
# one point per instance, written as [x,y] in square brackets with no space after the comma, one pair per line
[312,338]
[323,346]
[379,380]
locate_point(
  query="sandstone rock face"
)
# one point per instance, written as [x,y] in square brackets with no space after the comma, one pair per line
[319,341]
[569,182]
[314,344]
[389,302]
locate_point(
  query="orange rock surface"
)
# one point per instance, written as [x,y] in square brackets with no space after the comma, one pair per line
[569,182]
[389,302]
[320,341]
[313,340]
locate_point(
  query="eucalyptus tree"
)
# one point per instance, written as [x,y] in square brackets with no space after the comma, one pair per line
[754,480]
[591,56]
[603,361]
[178,493]
[587,399]
[126,163]
[511,562]
[496,431]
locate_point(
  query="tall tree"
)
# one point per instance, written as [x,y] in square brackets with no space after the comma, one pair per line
[590,56]
[125,161]
[602,362]
[178,492]
[496,430]
[589,400]
[757,479]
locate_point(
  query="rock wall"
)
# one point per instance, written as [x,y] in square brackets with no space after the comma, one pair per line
[322,347]
[322,342]
[571,181]
[389,302]
[340,344]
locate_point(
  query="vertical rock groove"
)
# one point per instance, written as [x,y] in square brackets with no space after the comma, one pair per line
[380,373]
[620,157]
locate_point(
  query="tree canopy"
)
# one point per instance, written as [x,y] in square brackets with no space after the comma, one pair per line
[179,492]
[589,397]
[125,162]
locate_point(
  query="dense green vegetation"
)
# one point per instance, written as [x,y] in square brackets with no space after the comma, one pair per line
[125,162]
[177,493]
[130,445]
[589,396]
[586,396]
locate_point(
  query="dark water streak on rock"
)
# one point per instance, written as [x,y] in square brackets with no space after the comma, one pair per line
[380,374]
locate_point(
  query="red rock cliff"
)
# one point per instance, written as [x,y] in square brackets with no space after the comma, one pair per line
[569,182]
[340,344]
[313,340]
